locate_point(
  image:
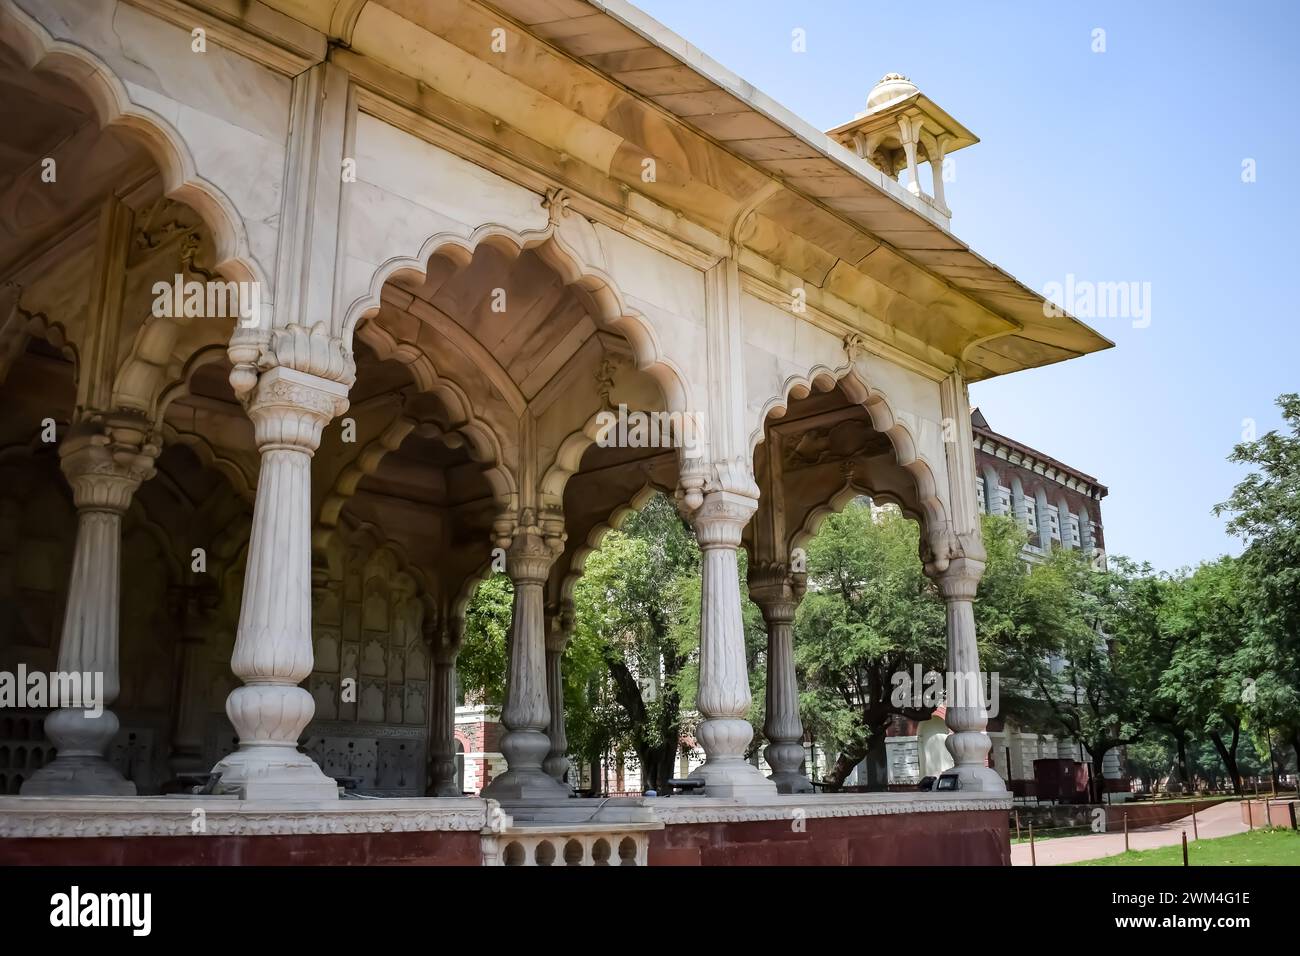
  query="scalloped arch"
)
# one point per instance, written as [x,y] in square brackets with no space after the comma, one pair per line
[838,502]
[38,50]
[929,508]
[597,534]
[483,445]
[549,245]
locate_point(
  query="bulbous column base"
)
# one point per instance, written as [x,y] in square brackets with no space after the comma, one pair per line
[79,768]
[268,764]
[524,751]
[443,779]
[967,748]
[725,771]
[784,758]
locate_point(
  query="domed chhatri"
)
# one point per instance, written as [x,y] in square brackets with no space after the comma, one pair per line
[900,128]
[892,86]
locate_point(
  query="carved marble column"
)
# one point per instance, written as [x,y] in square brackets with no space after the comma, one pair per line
[445,647]
[194,606]
[778,592]
[105,461]
[559,629]
[273,645]
[718,517]
[967,714]
[533,546]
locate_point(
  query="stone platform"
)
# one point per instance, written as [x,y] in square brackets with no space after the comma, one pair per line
[848,829]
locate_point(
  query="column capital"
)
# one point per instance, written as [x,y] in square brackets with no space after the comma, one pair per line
[443,636]
[290,408]
[718,499]
[776,590]
[532,541]
[310,350]
[947,554]
[106,458]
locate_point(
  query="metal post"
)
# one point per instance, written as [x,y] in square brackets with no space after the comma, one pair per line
[1184,848]
[1125,831]
[1196,833]
[1018,823]
[1033,855]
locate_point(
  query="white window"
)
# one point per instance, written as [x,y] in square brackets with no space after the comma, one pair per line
[1074,530]
[1004,498]
[1053,523]
[979,494]
[1031,515]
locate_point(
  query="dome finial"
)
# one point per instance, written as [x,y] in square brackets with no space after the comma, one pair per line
[892,86]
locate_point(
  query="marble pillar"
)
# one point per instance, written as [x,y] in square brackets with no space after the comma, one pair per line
[559,629]
[105,461]
[778,592]
[195,609]
[723,698]
[273,645]
[444,648]
[967,713]
[527,713]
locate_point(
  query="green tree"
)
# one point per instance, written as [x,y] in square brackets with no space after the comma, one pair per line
[1205,622]
[869,613]
[1088,648]
[1265,512]
[481,665]
[635,605]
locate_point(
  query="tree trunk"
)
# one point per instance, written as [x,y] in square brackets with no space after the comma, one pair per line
[1229,757]
[1098,782]
[1180,738]
[849,758]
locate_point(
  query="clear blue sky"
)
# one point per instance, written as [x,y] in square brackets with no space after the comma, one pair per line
[1117,166]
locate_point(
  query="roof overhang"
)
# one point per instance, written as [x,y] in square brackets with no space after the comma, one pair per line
[591,87]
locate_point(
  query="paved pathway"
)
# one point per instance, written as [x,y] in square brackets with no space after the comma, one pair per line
[1221,820]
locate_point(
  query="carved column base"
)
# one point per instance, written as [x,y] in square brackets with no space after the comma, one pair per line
[972,776]
[274,771]
[525,780]
[791,781]
[725,771]
[79,768]
[78,777]
[784,758]
[732,777]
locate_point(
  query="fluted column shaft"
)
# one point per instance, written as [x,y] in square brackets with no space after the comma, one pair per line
[193,608]
[778,594]
[723,698]
[273,645]
[527,711]
[966,713]
[442,716]
[105,464]
[557,638]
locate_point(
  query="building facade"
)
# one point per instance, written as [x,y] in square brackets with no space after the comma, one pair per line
[311,316]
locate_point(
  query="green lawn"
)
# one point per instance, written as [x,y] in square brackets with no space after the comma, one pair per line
[1275,847]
